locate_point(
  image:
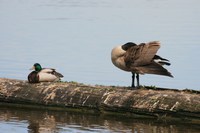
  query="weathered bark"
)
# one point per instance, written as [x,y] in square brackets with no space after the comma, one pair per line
[160,103]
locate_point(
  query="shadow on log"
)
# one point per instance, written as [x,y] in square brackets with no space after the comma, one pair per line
[166,104]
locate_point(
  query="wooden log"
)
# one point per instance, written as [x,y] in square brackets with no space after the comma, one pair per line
[144,102]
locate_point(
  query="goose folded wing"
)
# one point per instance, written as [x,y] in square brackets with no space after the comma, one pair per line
[141,54]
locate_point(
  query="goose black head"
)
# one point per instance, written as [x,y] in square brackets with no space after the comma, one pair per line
[128,45]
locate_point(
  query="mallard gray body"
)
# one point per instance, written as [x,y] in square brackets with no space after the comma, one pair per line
[43,74]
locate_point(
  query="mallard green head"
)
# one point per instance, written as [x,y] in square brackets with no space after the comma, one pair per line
[37,67]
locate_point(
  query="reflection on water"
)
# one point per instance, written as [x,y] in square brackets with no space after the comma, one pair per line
[40,121]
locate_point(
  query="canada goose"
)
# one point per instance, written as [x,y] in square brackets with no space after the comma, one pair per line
[43,74]
[139,59]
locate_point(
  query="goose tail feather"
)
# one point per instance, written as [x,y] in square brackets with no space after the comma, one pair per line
[154,68]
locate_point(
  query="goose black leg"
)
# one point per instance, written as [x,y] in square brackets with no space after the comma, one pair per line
[138,80]
[133,80]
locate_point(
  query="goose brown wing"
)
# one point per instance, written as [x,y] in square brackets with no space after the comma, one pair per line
[141,54]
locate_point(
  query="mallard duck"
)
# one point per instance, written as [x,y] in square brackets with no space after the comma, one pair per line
[139,59]
[43,74]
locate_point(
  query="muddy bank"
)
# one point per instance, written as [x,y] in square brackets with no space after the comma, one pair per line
[146,102]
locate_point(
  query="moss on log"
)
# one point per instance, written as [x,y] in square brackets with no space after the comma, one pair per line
[146,102]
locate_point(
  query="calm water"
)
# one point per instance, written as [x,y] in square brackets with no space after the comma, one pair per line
[76,38]
[34,121]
